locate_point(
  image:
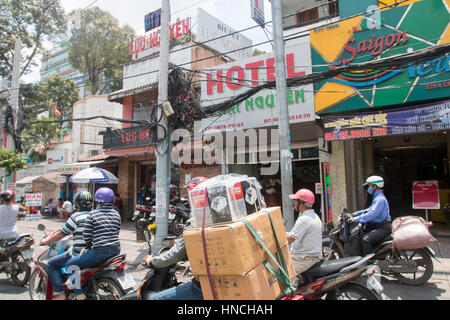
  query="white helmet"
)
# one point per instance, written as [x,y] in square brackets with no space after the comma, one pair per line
[375,180]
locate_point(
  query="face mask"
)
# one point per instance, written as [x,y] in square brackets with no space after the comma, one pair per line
[370,190]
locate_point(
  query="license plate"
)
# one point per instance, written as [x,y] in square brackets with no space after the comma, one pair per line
[373,283]
[27,254]
[126,281]
[172,216]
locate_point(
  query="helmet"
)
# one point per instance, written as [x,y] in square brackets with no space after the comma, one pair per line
[83,199]
[304,195]
[195,182]
[104,195]
[375,180]
[7,195]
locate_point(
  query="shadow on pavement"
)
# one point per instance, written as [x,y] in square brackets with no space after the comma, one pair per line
[8,287]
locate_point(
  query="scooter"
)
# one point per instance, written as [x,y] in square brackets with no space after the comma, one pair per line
[352,278]
[16,255]
[411,267]
[107,281]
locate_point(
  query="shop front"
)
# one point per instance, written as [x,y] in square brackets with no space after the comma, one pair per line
[391,122]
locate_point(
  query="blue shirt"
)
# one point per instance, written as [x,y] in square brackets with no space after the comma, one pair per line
[377,212]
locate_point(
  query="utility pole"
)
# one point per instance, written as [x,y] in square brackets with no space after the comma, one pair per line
[15,77]
[283,124]
[162,154]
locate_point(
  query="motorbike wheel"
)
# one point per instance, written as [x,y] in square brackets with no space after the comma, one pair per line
[107,289]
[37,286]
[351,291]
[177,226]
[425,267]
[21,276]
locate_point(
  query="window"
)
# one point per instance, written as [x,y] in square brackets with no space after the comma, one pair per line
[307,15]
[333,8]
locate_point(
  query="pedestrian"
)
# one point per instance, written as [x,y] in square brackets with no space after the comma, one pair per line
[119,206]
[8,215]
[306,235]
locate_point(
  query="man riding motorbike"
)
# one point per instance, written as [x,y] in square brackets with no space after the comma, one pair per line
[306,235]
[8,215]
[190,290]
[101,234]
[376,218]
[74,225]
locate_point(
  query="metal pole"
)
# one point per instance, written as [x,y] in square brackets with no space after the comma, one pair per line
[283,125]
[162,159]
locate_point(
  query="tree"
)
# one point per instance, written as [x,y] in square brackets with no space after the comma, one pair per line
[99,48]
[33,21]
[37,139]
[11,162]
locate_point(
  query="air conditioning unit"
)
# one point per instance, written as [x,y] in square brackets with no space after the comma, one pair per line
[96,152]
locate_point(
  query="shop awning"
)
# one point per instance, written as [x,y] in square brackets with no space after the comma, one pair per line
[73,168]
[51,177]
[27,180]
[118,95]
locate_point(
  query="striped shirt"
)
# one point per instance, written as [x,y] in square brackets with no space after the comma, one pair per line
[8,214]
[75,225]
[102,227]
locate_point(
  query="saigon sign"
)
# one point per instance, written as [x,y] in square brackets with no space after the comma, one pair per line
[408,28]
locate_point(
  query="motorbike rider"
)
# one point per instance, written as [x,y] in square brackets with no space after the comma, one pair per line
[190,290]
[74,225]
[101,234]
[376,218]
[306,235]
[8,216]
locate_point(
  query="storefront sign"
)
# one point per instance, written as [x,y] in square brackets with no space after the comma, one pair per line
[152,40]
[33,199]
[219,36]
[257,8]
[140,136]
[403,29]
[426,118]
[260,110]
[152,20]
[426,195]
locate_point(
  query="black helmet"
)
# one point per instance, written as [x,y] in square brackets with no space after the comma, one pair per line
[83,199]
[7,195]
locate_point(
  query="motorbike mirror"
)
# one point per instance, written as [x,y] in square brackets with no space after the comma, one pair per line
[41,227]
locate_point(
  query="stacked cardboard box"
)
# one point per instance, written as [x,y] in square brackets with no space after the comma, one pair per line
[236,259]
[226,198]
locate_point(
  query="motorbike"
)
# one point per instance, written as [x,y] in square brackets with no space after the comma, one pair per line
[352,278]
[107,281]
[178,217]
[145,219]
[411,267]
[16,255]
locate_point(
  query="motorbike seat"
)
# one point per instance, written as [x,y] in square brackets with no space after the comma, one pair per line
[119,259]
[325,268]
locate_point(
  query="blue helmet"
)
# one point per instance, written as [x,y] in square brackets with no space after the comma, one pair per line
[104,195]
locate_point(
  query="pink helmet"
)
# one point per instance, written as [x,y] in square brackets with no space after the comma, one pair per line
[304,195]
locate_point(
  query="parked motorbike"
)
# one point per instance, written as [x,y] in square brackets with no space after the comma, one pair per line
[352,278]
[145,219]
[16,256]
[411,267]
[107,281]
[178,217]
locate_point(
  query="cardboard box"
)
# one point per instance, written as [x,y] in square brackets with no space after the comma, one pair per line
[258,284]
[225,198]
[231,248]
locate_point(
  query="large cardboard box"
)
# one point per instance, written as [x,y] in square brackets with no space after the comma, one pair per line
[258,284]
[231,248]
[225,198]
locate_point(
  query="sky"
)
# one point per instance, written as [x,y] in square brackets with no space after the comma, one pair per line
[235,13]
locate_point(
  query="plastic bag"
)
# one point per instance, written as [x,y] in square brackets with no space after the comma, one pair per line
[411,232]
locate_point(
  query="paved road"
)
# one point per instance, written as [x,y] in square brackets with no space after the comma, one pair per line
[438,288]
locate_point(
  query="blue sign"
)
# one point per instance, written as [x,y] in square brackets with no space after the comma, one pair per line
[419,119]
[152,20]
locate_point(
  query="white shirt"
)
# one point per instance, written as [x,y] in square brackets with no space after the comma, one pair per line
[307,233]
[8,214]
